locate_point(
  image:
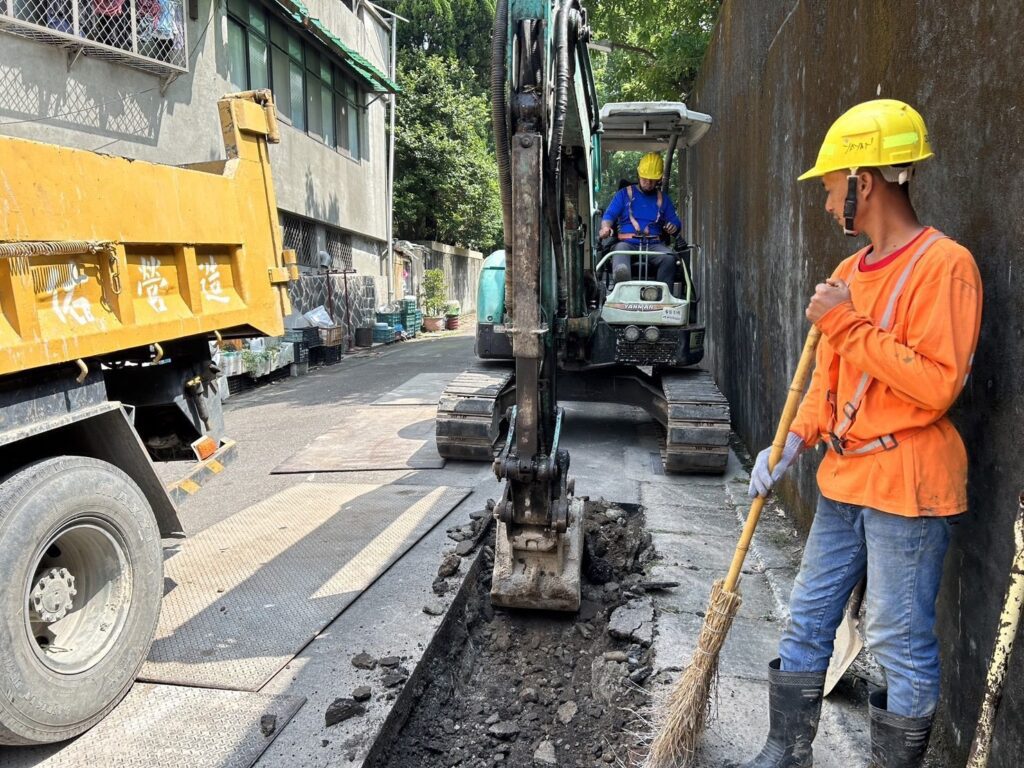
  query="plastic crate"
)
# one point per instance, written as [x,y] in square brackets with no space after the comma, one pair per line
[333,336]
[307,336]
[325,355]
[391,318]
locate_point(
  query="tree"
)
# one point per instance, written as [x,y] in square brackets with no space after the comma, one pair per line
[458,29]
[658,47]
[446,180]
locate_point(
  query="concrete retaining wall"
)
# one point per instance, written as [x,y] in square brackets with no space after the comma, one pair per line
[774,79]
[461,271]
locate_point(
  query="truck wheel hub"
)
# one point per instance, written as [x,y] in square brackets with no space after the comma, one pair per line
[53,593]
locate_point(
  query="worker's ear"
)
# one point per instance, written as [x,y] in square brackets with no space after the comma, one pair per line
[865,183]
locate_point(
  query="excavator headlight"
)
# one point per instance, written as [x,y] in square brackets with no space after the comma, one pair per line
[651,293]
[651,333]
[632,333]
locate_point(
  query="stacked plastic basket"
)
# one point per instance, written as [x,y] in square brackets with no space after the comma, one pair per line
[383,333]
[412,318]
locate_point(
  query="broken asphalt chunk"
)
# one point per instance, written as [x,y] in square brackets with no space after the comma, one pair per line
[363,661]
[362,693]
[504,730]
[268,724]
[633,621]
[449,566]
[342,710]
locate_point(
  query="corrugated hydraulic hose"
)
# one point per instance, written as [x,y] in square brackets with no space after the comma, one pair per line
[568,15]
[499,115]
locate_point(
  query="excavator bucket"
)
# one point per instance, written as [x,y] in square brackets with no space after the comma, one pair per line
[538,568]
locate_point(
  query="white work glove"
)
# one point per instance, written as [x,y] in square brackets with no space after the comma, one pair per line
[761,480]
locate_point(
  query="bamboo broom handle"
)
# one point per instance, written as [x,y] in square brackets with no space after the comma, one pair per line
[1000,661]
[796,393]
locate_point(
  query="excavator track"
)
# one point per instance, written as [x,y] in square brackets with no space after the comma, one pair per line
[697,434]
[470,413]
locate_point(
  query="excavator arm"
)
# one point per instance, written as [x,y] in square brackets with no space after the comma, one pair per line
[545,114]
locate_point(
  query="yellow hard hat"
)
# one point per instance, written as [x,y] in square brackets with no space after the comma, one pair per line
[875,134]
[651,166]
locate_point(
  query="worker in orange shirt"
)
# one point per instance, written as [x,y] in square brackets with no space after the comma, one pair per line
[899,322]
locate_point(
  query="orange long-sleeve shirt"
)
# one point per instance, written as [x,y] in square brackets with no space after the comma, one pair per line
[918,369]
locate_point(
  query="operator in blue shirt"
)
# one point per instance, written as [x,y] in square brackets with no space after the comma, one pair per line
[642,212]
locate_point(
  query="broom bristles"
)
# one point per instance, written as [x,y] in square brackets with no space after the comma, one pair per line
[686,710]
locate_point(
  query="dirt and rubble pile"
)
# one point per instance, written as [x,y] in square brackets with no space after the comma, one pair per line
[524,688]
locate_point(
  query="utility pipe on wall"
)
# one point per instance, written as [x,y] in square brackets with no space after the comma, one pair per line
[391,166]
[392,69]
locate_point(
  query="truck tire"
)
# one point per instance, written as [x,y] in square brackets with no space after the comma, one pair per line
[82,572]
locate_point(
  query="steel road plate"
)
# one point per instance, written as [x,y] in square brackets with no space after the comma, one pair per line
[165,726]
[396,437]
[248,593]
[421,389]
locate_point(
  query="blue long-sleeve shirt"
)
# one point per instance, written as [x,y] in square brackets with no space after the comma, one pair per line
[644,208]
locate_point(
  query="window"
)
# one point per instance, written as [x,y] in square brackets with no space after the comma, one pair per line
[339,245]
[311,92]
[300,235]
[144,34]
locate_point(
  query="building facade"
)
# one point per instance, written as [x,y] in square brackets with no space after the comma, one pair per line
[141,78]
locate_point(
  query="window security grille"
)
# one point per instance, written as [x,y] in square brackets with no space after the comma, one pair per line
[339,245]
[144,34]
[300,236]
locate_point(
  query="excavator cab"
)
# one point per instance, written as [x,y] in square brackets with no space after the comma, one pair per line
[652,322]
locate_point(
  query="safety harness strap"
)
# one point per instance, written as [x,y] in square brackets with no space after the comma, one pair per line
[632,219]
[837,434]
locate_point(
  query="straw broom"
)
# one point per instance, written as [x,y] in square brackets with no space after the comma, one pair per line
[686,709]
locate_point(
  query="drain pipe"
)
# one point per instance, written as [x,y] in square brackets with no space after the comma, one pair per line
[389,255]
[391,166]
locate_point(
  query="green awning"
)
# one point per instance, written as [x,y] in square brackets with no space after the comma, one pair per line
[377,81]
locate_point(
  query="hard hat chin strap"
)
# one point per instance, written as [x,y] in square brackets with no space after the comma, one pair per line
[850,205]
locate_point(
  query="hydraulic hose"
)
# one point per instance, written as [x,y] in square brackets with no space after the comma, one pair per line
[567,25]
[499,115]
[568,15]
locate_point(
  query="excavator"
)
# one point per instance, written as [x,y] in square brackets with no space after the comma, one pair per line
[549,307]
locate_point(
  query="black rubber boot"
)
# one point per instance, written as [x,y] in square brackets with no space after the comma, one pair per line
[794,699]
[896,742]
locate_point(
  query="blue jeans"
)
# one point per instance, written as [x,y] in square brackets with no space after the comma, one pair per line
[902,557]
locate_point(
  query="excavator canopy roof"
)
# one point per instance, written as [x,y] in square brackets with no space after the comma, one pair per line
[648,126]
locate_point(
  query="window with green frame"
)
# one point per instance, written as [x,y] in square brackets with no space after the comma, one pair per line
[311,92]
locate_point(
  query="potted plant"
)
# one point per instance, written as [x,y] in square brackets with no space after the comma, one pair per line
[433,300]
[452,310]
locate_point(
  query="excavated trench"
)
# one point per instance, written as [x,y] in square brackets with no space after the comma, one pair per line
[524,688]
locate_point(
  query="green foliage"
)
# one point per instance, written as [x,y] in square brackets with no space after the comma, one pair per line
[446,179]
[434,292]
[675,35]
[456,29]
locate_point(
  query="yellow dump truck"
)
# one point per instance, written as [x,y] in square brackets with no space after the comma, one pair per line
[115,275]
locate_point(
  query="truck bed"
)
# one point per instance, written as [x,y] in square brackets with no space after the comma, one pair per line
[100,254]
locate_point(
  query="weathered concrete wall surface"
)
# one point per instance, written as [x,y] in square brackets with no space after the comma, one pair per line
[104,106]
[777,73]
[461,271]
